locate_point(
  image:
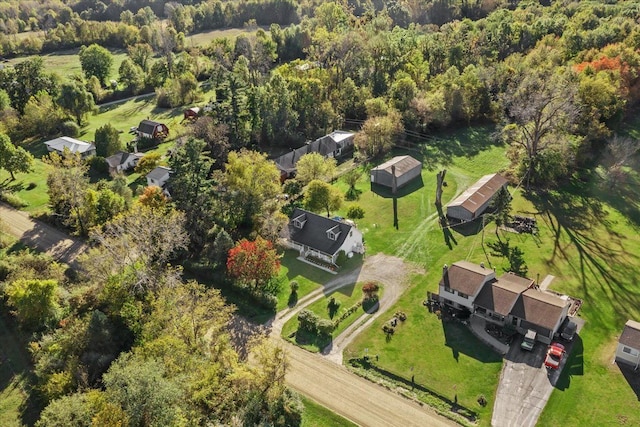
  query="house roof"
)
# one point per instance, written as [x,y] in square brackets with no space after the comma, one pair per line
[159,173]
[120,158]
[147,126]
[476,195]
[314,231]
[502,294]
[403,165]
[465,277]
[631,334]
[72,144]
[324,146]
[540,308]
[194,110]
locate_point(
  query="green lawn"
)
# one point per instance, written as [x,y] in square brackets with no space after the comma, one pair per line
[67,62]
[308,277]
[347,297]
[316,415]
[588,239]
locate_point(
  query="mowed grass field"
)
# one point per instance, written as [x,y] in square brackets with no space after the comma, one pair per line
[588,239]
[66,63]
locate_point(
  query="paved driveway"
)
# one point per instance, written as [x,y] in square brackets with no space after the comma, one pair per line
[525,386]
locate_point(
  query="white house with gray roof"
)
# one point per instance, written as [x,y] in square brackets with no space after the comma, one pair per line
[320,237]
[628,350]
[58,145]
[159,176]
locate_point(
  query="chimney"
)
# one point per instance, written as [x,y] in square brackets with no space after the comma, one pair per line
[482,265]
[445,268]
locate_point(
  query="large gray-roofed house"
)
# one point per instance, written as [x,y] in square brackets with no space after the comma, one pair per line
[477,198]
[541,312]
[58,145]
[501,296]
[628,350]
[321,237]
[405,169]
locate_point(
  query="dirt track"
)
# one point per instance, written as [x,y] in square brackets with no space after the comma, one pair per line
[41,236]
[324,379]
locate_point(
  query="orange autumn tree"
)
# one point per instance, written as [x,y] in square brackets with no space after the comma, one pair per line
[253,263]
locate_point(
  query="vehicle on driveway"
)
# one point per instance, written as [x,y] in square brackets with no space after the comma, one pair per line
[569,330]
[529,340]
[555,353]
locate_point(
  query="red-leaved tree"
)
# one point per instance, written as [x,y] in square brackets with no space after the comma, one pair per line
[253,263]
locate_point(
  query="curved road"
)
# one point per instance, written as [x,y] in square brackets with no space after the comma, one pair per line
[41,236]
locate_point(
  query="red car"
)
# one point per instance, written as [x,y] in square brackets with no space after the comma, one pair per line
[555,353]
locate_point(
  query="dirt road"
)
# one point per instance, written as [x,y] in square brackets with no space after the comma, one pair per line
[41,236]
[354,398]
[324,379]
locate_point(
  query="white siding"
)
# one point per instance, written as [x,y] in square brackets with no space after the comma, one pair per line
[631,356]
[454,297]
[353,242]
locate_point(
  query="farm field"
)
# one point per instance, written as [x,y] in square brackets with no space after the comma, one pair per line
[588,239]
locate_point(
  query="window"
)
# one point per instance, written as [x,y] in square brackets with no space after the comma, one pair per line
[333,233]
[631,351]
[461,295]
[299,221]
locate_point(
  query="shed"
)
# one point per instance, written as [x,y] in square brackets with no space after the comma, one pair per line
[152,130]
[477,198]
[628,350]
[401,169]
[192,113]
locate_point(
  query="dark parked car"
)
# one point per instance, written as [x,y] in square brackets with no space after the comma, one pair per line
[569,331]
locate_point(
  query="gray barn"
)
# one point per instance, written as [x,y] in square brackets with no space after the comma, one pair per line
[405,169]
[473,202]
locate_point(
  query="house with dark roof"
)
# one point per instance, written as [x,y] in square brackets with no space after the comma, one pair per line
[337,144]
[628,350]
[322,238]
[506,300]
[122,161]
[397,172]
[151,129]
[58,145]
[477,198]
[462,282]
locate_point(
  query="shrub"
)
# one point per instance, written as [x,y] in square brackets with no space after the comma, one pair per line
[308,321]
[355,212]
[370,289]
[98,165]
[70,128]
[31,186]
[341,259]
[13,200]
[294,285]
[401,315]
[325,327]
[388,329]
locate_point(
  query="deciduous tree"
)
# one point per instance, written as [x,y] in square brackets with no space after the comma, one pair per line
[96,61]
[322,196]
[14,159]
[314,166]
[147,163]
[253,263]
[35,302]
[378,134]
[77,100]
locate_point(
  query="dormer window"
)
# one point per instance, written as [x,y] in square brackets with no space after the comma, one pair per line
[333,233]
[299,221]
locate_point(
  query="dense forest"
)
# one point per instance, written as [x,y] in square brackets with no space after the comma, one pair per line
[555,78]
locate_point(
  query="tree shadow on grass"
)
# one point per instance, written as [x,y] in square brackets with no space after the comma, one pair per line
[468,142]
[573,214]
